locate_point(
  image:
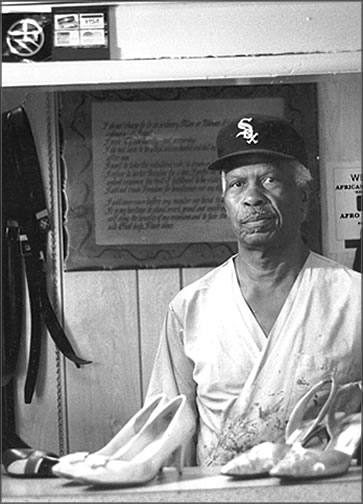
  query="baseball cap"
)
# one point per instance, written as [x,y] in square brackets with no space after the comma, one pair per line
[255,138]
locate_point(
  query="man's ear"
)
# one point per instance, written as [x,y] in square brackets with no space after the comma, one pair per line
[305,200]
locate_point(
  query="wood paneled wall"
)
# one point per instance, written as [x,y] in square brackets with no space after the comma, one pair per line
[115,318]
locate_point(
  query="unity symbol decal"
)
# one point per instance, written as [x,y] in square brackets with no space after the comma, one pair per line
[25,37]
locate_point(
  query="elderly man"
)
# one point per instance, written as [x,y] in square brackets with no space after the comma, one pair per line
[248,339]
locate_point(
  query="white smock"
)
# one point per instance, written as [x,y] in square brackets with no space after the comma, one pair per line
[213,350]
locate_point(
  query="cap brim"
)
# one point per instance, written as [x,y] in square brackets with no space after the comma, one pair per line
[231,161]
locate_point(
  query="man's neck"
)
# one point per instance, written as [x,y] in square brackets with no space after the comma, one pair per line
[271,265]
[266,278]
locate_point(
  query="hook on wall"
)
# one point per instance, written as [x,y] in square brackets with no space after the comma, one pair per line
[25,97]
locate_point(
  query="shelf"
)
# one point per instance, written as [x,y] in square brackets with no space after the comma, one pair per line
[129,73]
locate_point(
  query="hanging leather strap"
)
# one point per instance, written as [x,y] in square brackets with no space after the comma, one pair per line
[12,301]
[35,224]
[55,329]
[34,215]
[12,296]
[36,329]
[42,312]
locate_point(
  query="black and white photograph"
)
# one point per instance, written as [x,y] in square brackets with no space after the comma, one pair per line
[181,251]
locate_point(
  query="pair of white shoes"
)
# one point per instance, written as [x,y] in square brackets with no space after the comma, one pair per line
[333,434]
[139,450]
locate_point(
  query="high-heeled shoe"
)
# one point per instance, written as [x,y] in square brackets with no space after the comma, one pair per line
[164,436]
[68,464]
[343,432]
[302,424]
[29,463]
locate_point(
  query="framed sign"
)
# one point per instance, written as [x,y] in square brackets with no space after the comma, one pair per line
[344,204]
[137,187]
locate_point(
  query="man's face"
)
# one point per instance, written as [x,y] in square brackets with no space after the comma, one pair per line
[264,204]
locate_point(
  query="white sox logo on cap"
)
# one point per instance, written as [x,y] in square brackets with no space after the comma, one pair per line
[257,138]
[247,131]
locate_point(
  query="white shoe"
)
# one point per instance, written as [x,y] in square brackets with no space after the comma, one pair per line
[148,451]
[68,464]
[260,459]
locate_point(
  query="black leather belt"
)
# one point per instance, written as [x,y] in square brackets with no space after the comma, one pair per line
[12,275]
[31,213]
[12,300]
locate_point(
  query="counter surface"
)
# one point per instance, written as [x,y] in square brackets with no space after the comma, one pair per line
[195,485]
